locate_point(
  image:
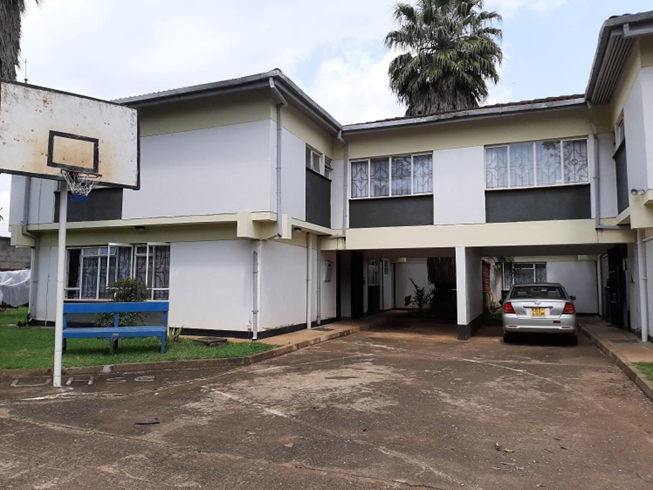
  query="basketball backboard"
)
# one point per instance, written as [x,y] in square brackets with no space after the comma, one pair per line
[45,131]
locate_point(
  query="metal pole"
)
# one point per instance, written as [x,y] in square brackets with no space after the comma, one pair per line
[61,275]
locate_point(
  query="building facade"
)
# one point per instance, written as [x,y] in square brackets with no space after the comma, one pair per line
[259,212]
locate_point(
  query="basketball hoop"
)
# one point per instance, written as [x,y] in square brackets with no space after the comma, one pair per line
[80,184]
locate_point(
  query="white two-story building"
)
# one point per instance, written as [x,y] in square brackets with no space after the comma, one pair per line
[259,212]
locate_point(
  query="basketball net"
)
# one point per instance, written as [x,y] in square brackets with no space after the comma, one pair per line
[80,184]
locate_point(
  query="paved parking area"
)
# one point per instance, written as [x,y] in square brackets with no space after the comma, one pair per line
[402,407]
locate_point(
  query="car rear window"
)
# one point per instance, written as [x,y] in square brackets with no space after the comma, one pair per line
[538,292]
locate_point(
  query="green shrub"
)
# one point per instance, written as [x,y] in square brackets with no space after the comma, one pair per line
[419,299]
[125,291]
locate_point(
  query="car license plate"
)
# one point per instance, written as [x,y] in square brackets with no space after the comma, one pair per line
[538,311]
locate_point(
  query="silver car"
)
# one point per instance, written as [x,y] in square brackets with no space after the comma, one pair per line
[539,308]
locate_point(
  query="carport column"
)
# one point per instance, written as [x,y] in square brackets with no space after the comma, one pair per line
[309,279]
[469,291]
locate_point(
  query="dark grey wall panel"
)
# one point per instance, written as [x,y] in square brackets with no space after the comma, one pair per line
[622,179]
[543,204]
[393,211]
[102,204]
[318,199]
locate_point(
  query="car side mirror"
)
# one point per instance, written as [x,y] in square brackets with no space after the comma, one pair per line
[573,298]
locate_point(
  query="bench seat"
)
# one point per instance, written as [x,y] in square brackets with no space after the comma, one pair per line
[116,332]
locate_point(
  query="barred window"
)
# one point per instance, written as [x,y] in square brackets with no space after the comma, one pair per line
[402,175]
[544,163]
[92,270]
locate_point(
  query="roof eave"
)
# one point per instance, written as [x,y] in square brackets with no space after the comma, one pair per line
[472,114]
[252,82]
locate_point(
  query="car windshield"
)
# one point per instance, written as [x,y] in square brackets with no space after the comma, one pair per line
[538,292]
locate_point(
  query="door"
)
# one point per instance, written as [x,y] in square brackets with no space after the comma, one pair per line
[617,286]
[357,284]
[373,287]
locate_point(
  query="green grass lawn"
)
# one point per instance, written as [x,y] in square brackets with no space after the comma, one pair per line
[646,368]
[11,316]
[33,347]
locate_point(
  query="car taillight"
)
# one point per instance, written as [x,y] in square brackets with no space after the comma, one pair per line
[569,309]
[507,308]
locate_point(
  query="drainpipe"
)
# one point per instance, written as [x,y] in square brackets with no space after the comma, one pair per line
[309,279]
[597,176]
[643,284]
[345,181]
[318,278]
[33,292]
[256,260]
[281,103]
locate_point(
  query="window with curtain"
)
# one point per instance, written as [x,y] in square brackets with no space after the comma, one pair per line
[537,164]
[92,270]
[402,175]
[523,273]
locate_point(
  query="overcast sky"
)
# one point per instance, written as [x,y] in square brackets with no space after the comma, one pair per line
[332,49]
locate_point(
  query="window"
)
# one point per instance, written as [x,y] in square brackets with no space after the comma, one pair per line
[538,292]
[544,163]
[373,273]
[619,133]
[521,273]
[403,175]
[319,163]
[91,270]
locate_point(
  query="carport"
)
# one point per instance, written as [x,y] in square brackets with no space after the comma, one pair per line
[379,279]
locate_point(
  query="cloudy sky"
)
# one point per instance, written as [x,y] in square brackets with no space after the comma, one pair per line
[333,49]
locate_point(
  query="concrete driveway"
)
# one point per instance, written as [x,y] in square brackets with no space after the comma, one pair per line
[390,408]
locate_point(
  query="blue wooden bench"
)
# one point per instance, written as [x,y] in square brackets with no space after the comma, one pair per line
[115,332]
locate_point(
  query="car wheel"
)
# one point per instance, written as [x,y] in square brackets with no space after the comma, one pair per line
[508,338]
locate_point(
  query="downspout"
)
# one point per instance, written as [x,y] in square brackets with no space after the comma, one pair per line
[318,279]
[256,278]
[281,103]
[597,176]
[643,284]
[33,292]
[309,279]
[345,181]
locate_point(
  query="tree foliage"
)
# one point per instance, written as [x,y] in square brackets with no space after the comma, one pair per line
[11,13]
[450,52]
[125,291]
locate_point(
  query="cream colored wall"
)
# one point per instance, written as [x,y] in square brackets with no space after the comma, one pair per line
[210,112]
[507,129]
[306,130]
[568,232]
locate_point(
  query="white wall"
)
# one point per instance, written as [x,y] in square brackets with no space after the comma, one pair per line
[293,175]
[608,176]
[469,284]
[459,186]
[47,285]
[208,171]
[41,207]
[636,134]
[646,75]
[328,288]
[579,279]
[416,270]
[337,191]
[211,285]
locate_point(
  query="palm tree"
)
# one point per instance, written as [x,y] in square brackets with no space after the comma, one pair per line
[450,52]
[11,12]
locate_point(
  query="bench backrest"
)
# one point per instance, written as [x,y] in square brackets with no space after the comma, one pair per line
[114,307]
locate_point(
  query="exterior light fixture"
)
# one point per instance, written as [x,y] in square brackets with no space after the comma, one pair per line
[637,192]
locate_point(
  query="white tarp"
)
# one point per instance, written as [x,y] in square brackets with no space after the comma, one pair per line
[14,287]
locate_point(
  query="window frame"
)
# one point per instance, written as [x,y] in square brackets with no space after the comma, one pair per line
[535,185]
[326,163]
[390,157]
[132,269]
[512,265]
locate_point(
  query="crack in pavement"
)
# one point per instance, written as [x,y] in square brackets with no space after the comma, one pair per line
[162,444]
